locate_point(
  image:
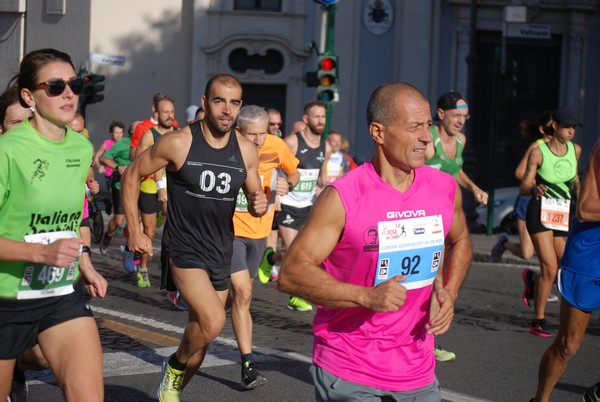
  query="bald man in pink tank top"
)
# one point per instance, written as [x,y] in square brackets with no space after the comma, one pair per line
[383,255]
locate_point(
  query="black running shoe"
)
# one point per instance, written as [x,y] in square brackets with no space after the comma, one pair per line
[251,378]
[105,243]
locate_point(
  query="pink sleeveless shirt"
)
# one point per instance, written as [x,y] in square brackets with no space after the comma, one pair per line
[390,351]
[107,144]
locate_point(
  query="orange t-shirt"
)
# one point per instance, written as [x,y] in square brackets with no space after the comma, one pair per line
[274,154]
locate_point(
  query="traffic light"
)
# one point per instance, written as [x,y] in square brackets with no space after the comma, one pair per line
[327,89]
[97,88]
[311,79]
[86,92]
[92,88]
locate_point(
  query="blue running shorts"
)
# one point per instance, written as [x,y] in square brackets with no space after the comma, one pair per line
[521,206]
[581,291]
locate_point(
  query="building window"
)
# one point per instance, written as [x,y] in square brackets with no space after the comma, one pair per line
[257,5]
[271,63]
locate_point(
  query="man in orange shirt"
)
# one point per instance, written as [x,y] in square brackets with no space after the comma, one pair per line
[251,232]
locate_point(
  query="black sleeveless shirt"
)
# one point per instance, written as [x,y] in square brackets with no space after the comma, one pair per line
[202,198]
[310,158]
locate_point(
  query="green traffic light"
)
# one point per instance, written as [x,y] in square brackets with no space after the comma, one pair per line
[326,96]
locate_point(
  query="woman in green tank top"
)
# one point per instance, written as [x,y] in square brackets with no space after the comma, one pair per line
[42,182]
[551,179]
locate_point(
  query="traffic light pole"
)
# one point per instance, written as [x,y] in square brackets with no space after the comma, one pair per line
[329,41]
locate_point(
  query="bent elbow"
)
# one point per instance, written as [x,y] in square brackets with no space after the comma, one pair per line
[284,282]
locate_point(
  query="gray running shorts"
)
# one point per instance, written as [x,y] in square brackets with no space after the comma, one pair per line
[247,254]
[329,387]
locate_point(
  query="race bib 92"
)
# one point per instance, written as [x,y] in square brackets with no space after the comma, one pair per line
[411,247]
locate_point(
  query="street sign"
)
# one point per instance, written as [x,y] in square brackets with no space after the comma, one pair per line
[515,14]
[529,31]
[100,58]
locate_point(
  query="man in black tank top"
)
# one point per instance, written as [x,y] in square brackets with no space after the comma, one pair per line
[207,163]
[313,154]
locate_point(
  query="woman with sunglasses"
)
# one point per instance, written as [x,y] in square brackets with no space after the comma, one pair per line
[43,170]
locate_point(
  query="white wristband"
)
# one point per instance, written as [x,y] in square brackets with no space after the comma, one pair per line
[162,183]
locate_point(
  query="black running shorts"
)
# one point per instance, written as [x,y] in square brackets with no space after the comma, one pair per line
[19,329]
[148,203]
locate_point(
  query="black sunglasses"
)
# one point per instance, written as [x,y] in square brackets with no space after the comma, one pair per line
[57,87]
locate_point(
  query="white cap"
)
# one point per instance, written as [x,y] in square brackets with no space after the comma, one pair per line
[191,112]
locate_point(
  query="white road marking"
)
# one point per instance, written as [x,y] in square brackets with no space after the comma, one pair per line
[222,351]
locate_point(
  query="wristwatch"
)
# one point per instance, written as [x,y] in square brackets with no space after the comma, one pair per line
[290,187]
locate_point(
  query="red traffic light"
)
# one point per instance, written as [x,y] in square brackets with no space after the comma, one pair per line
[327,64]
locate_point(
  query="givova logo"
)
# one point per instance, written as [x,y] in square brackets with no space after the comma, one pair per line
[405,214]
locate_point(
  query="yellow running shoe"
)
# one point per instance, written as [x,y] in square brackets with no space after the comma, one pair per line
[442,355]
[264,269]
[143,281]
[299,304]
[170,386]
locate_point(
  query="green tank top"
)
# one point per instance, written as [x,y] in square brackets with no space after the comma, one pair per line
[440,160]
[42,186]
[557,173]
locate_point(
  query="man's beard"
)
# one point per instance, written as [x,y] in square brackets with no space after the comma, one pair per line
[316,130]
[166,125]
[214,126]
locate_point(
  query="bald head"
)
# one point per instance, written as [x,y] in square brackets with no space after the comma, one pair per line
[223,79]
[382,107]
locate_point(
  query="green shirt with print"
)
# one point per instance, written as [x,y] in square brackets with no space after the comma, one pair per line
[119,152]
[42,186]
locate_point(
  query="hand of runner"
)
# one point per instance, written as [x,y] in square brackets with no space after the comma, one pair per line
[538,191]
[257,201]
[140,243]
[94,186]
[441,312]
[95,283]
[387,296]
[161,195]
[61,253]
[481,196]
[282,186]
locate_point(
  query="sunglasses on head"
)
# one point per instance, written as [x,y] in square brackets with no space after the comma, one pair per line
[57,87]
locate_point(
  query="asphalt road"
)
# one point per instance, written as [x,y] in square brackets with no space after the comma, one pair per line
[497,357]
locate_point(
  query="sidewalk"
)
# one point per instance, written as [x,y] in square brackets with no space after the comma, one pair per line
[482,250]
